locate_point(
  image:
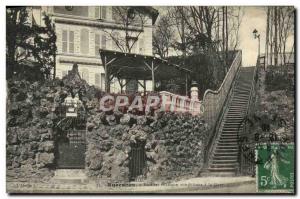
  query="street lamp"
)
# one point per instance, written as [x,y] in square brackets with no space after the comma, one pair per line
[257,36]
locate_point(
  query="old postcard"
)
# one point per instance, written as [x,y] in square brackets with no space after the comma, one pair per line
[150,99]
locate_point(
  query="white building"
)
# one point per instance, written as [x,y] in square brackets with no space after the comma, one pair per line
[82,30]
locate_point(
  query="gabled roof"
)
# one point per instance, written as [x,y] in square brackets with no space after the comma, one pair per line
[148,10]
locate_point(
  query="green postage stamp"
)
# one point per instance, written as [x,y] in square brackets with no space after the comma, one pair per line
[275,168]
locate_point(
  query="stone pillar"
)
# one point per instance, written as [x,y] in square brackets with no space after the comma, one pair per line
[194,91]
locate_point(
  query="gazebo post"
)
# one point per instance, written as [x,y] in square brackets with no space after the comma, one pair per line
[186,85]
[107,82]
[144,87]
[153,78]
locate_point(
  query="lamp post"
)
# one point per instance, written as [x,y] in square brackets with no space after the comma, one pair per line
[257,36]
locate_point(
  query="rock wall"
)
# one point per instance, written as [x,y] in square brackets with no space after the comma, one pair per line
[30,154]
[33,112]
[174,145]
[30,135]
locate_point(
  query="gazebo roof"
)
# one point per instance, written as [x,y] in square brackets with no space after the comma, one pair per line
[137,66]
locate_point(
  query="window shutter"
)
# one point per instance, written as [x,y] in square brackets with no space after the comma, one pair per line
[71,42]
[64,73]
[97,44]
[85,75]
[103,42]
[103,12]
[65,41]
[102,81]
[97,12]
[97,79]
[141,46]
[84,41]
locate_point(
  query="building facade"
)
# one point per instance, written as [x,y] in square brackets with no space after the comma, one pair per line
[83,30]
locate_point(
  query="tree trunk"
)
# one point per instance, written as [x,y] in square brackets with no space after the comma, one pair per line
[276,36]
[226,14]
[267,39]
[271,35]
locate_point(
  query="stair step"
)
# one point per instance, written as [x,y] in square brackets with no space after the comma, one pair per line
[213,165]
[228,142]
[237,119]
[227,154]
[227,146]
[229,134]
[225,161]
[222,150]
[221,169]
[238,99]
[229,139]
[241,88]
[240,96]
[237,107]
[236,127]
[231,130]
[234,116]
[233,123]
[236,111]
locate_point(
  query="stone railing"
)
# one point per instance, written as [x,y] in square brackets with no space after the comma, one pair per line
[177,103]
[213,101]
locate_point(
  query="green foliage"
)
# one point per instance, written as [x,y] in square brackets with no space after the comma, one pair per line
[28,42]
[207,71]
[276,80]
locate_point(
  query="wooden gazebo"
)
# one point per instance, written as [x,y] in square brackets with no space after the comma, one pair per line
[132,66]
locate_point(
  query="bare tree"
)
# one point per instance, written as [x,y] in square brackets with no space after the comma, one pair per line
[280,26]
[131,22]
[163,37]
[286,16]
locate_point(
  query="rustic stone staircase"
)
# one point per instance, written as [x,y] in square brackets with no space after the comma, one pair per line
[224,159]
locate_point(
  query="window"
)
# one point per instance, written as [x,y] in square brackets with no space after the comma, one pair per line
[97,12]
[141,46]
[102,81]
[65,41]
[115,15]
[64,73]
[97,79]
[115,40]
[97,44]
[84,41]
[85,75]
[103,12]
[134,48]
[71,42]
[103,42]
[100,12]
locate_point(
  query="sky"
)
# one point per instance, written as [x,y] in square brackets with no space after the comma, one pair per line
[254,17]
